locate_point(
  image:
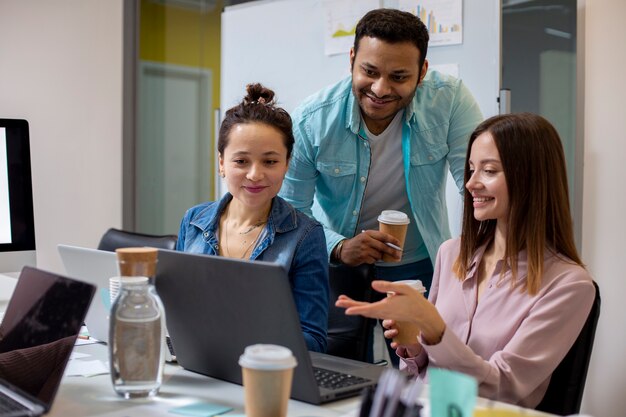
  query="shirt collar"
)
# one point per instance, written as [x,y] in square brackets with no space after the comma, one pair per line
[282,218]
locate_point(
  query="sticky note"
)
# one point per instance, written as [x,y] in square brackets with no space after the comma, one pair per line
[497,412]
[201,410]
[452,394]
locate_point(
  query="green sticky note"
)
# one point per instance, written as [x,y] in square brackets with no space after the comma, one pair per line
[452,394]
[201,410]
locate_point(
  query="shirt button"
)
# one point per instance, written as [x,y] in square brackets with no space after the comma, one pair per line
[430,157]
[362,179]
[336,170]
[354,213]
[206,234]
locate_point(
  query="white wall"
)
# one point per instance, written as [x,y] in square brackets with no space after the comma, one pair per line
[604,207]
[61,69]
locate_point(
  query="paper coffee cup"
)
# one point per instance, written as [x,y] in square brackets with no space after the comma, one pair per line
[267,373]
[394,223]
[407,331]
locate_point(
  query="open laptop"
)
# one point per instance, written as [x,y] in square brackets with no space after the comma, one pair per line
[37,335]
[217,306]
[95,267]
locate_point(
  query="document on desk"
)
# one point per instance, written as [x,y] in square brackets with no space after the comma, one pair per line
[86,368]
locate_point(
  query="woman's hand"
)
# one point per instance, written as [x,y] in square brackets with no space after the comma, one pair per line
[406,305]
[404,351]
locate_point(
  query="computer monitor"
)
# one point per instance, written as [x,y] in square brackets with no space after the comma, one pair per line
[17,224]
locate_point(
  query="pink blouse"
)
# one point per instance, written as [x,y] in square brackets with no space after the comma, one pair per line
[510,342]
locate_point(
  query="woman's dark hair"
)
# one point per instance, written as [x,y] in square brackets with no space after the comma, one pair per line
[393,26]
[539,213]
[258,106]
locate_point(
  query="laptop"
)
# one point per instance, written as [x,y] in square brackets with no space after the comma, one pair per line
[37,335]
[95,267]
[216,306]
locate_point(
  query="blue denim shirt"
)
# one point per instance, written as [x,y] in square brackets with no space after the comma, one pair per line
[290,239]
[330,165]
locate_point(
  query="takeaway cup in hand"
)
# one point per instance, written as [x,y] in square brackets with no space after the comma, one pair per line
[394,223]
[407,331]
[267,373]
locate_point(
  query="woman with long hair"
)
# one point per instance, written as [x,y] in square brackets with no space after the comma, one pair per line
[510,296]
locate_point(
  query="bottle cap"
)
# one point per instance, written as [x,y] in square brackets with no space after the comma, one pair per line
[139,261]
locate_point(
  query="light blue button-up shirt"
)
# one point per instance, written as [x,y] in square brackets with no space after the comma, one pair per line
[330,165]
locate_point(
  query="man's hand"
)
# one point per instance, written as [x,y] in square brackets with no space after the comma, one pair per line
[368,247]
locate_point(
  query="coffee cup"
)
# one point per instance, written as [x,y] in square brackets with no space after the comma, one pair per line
[394,223]
[407,331]
[267,372]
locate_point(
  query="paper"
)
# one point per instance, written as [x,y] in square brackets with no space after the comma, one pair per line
[201,410]
[496,412]
[78,355]
[452,394]
[86,368]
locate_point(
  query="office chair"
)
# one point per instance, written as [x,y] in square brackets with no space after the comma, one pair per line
[115,238]
[349,336]
[565,391]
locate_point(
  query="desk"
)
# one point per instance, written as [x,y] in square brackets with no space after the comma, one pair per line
[94,396]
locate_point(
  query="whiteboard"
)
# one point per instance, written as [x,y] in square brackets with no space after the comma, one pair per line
[280,43]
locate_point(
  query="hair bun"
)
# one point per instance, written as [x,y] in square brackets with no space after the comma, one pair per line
[258,94]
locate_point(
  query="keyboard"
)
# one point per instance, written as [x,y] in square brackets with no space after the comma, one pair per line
[335,380]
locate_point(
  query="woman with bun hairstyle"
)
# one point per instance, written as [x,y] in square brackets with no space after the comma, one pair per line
[251,222]
[510,296]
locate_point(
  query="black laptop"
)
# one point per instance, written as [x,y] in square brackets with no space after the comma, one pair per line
[37,335]
[217,306]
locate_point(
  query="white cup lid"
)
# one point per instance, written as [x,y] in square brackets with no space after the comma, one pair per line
[267,357]
[393,217]
[413,283]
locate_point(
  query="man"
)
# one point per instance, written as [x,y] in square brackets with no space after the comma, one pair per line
[382,139]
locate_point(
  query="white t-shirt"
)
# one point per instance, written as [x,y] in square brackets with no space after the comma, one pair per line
[386,188]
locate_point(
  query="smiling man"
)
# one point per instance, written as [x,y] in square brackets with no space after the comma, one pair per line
[382,139]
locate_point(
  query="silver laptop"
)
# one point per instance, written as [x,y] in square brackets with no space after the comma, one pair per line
[216,306]
[37,336]
[95,267]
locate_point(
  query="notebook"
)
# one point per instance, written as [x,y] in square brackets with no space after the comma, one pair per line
[216,306]
[95,267]
[37,335]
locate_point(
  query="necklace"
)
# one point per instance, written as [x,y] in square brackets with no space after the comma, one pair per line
[254,226]
[252,244]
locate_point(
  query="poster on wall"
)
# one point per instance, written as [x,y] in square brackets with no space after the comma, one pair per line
[443,18]
[341,18]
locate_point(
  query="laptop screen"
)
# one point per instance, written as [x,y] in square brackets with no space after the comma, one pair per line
[39,330]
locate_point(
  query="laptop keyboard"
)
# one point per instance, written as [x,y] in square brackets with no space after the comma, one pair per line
[335,380]
[9,405]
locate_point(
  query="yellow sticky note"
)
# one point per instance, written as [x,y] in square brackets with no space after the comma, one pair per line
[497,412]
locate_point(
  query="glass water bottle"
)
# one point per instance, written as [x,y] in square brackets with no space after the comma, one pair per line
[137,331]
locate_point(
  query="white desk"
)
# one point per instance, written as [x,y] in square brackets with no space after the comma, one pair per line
[94,396]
